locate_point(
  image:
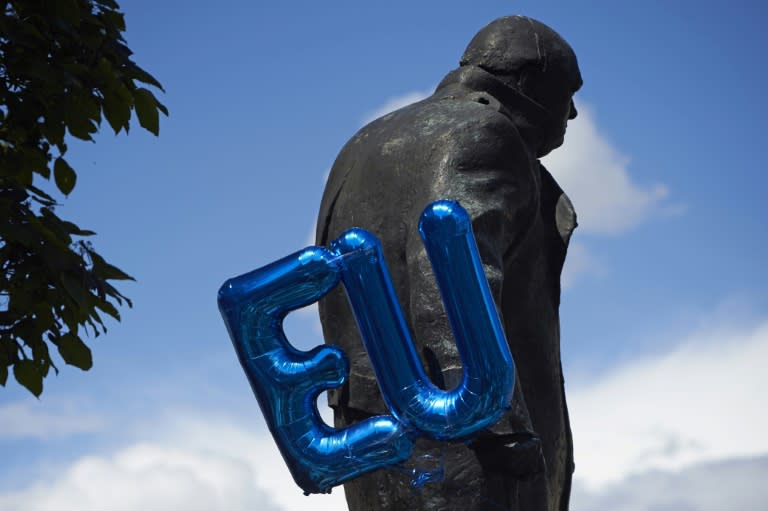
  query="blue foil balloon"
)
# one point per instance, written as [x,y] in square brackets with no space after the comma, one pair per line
[287,381]
[413,399]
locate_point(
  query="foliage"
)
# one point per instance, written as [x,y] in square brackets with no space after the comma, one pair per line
[64,66]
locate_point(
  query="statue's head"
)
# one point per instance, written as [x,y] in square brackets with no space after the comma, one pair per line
[532,58]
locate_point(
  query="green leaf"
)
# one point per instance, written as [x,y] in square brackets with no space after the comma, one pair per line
[142,76]
[86,107]
[106,271]
[42,197]
[54,130]
[29,376]
[21,234]
[79,125]
[74,352]
[108,3]
[30,30]
[162,108]
[69,10]
[74,229]
[36,160]
[40,354]
[64,175]
[116,19]
[146,109]
[76,290]
[108,308]
[8,350]
[117,107]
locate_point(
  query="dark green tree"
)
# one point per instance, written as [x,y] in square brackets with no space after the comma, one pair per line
[64,66]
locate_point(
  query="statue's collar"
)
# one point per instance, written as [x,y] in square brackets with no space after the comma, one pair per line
[477,79]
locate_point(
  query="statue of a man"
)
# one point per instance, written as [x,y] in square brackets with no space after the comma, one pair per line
[476,140]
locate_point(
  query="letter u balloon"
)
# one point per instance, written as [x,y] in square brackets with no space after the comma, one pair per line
[287,381]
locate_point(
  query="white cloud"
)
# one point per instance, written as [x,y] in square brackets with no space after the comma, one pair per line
[47,419]
[184,462]
[730,484]
[702,401]
[310,239]
[146,476]
[595,176]
[395,103]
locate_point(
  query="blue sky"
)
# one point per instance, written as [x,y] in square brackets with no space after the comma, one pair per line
[664,313]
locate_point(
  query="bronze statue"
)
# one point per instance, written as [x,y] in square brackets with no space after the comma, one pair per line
[475,140]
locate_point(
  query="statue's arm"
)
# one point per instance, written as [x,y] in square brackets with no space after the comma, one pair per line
[489,172]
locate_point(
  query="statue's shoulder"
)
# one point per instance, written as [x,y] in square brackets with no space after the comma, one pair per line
[462,113]
[477,118]
[481,135]
[467,130]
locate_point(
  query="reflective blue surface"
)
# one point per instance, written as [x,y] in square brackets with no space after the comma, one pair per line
[287,381]
[413,399]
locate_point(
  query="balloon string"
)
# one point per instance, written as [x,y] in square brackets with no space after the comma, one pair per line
[421,476]
[430,469]
[352,253]
[426,469]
